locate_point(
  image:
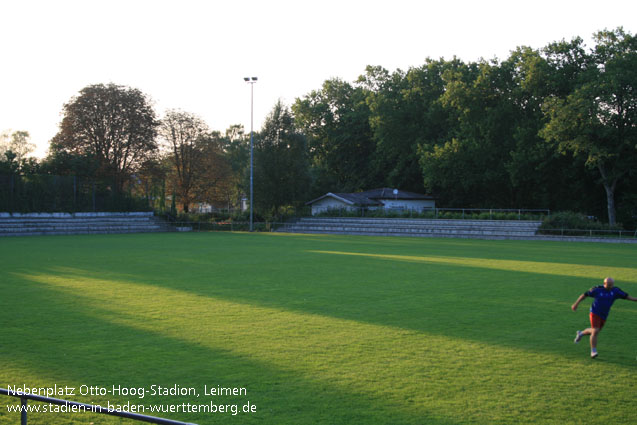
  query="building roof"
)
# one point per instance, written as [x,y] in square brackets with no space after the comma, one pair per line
[372,197]
[348,198]
[386,193]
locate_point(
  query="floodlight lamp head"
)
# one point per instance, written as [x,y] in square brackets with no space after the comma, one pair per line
[254,78]
[246,79]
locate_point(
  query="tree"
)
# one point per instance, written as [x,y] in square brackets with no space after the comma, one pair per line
[8,163]
[405,114]
[281,172]
[566,60]
[18,143]
[62,163]
[539,176]
[5,137]
[335,120]
[236,151]
[598,119]
[181,134]
[492,155]
[215,183]
[115,124]
[152,182]
[469,169]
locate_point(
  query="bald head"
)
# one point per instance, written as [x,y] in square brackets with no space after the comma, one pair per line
[609,282]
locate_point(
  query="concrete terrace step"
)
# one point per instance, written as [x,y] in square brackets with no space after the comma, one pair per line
[78,223]
[96,231]
[418,226]
[423,222]
[410,231]
[71,222]
[144,214]
[78,227]
[491,229]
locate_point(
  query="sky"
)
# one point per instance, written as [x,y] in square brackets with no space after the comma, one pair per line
[193,54]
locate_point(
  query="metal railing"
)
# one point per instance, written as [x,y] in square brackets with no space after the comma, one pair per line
[435,213]
[589,233]
[83,407]
[482,212]
[271,226]
[229,226]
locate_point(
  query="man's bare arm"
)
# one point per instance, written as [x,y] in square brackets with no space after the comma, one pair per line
[579,300]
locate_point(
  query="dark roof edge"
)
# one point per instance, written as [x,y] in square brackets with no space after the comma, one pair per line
[387,193]
[331,195]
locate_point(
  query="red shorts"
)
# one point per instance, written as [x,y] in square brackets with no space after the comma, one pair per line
[596,321]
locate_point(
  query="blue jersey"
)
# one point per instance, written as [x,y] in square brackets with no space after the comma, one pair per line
[604,299]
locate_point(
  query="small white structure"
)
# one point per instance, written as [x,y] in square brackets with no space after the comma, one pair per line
[204,208]
[390,199]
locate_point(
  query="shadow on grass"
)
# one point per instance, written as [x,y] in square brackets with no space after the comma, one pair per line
[71,343]
[522,309]
[534,317]
[541,252]
[519,309]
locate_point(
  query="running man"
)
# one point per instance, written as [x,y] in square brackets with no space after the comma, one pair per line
[604,296]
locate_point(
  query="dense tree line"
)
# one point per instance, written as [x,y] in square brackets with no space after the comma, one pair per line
[550,128]
[114,147]
[553,128]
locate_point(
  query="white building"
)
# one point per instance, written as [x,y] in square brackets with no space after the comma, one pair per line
[390,199]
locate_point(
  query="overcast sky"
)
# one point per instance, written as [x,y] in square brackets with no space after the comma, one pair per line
[193,54]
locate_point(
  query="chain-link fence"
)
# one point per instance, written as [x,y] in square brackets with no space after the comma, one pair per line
[47,193]
[224,226]
[432,213]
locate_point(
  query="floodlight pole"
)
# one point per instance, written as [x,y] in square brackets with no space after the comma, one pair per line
[251,81]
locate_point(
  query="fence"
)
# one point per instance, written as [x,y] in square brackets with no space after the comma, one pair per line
[590,233]
[49,193]
[82,407]
[224,226]
[448,213]
[270,226]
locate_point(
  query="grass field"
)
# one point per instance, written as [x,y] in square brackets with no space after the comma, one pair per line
[319,329]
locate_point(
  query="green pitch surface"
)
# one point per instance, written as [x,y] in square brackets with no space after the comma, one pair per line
[300,329]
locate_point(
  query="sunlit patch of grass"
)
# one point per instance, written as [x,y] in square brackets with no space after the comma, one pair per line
[624,274]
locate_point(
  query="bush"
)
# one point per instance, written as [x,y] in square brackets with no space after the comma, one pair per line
[216,217]
[338,212]
[469,214]
[569,220]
